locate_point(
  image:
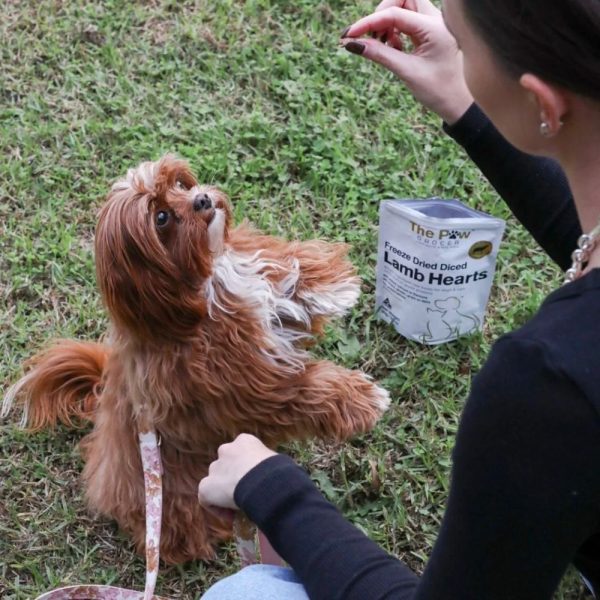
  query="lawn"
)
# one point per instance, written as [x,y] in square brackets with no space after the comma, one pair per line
[307,140]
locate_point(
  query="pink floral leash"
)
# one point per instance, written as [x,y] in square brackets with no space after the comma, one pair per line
[244,536]
[153,486]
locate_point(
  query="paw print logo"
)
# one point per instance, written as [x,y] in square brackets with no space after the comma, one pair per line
[453,234]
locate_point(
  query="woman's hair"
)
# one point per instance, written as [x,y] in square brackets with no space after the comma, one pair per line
[557,40]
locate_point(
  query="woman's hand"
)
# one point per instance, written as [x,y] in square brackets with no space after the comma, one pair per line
[432,69]
[233,462]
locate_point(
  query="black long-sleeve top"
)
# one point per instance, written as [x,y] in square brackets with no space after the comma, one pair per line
[535,189]
[524,498]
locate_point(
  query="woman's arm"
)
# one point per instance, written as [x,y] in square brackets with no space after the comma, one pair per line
[332,558]
[534,188]
[524,497]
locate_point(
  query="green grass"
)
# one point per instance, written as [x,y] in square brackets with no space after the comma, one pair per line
[306,139]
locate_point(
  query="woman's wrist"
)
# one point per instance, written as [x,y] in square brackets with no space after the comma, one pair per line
[456,107]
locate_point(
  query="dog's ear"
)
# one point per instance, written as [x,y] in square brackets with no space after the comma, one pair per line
[170,172]
[143,289]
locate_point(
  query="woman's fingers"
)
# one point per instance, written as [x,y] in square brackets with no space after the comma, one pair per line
[401,64]
[432,70]
[401,20]
[389,24]
[424,7]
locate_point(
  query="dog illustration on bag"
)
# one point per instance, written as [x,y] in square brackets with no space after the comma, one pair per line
[447,322]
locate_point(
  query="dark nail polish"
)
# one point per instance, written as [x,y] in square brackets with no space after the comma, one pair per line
[355,47]
[345,32]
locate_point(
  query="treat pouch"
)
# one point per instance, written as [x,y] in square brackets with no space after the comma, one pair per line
[435,266]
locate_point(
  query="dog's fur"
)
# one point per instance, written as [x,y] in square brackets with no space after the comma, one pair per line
[208,339]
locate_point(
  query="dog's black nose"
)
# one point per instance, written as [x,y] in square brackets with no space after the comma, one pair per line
[202,202]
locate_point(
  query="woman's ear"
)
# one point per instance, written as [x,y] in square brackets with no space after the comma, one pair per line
[552,102]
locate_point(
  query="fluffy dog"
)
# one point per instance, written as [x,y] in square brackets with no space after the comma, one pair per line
[209,328]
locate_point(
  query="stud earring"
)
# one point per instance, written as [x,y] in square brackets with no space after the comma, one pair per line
[545,129]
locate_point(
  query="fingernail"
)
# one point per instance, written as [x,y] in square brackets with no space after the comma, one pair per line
[355,47]
[345,32]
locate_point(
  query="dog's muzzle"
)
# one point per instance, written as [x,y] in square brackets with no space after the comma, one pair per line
[202,202]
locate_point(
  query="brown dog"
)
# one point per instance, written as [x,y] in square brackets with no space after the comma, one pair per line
[208,339]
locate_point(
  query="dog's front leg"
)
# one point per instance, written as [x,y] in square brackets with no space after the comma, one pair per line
[325,401]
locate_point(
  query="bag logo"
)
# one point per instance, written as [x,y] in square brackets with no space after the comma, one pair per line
[480,249]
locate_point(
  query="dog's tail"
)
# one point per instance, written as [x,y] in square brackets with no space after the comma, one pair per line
[61,384]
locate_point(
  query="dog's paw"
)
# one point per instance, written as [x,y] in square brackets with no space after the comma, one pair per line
[366,404]
[377,401]
[382,399]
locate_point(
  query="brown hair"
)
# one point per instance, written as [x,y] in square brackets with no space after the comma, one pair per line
[556,40]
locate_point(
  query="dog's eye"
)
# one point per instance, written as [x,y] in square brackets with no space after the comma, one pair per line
[162,218]
[180,185]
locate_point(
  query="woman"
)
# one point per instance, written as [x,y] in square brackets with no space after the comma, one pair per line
[524,500]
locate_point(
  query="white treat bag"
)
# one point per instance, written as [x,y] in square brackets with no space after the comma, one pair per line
[435,266]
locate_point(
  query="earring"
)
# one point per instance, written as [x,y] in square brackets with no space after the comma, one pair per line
[545,129]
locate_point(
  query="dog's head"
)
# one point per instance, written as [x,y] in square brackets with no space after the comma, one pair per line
[156,239]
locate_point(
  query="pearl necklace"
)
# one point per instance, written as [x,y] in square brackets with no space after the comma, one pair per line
[585,246]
